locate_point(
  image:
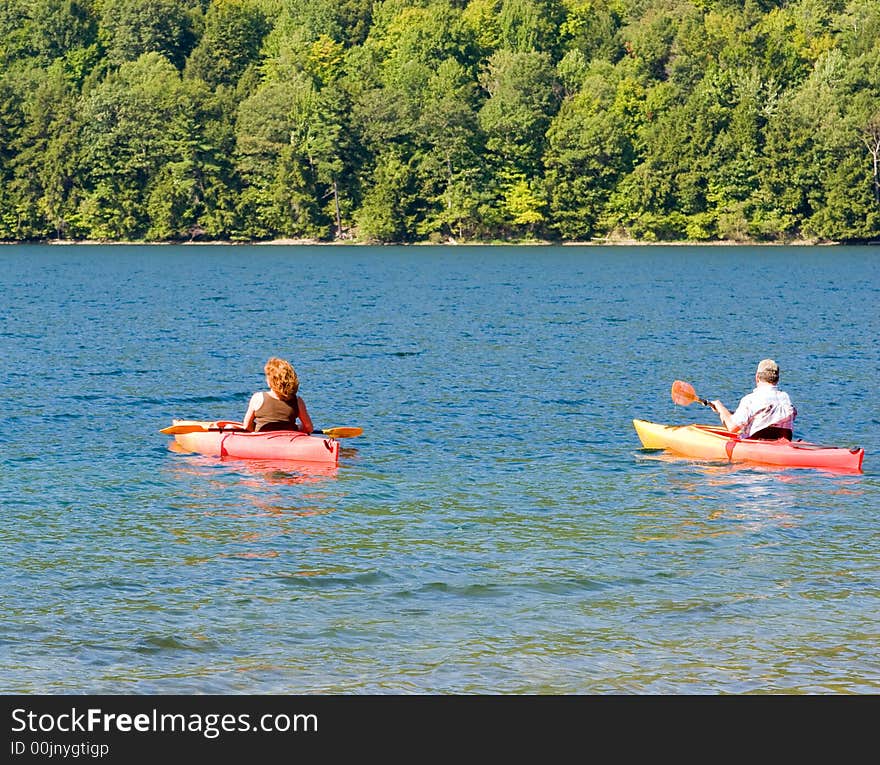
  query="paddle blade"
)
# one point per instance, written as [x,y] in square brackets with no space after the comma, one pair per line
[173,430]
[683,393]
[342,432]
[198,426]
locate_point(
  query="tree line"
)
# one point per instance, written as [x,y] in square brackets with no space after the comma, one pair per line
[438,120]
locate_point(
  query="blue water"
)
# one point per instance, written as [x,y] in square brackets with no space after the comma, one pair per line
[497,528]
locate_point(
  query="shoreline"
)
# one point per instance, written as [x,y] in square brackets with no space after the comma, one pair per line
[292,242]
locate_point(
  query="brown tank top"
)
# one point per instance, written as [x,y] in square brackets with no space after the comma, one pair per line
[274,414]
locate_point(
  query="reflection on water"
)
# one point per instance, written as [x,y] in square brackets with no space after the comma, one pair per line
[267,471]
[741,498]
[235,494]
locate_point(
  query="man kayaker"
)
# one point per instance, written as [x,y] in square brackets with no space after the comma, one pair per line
[280,406]
[766,413]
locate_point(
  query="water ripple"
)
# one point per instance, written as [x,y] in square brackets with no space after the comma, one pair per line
[496,529]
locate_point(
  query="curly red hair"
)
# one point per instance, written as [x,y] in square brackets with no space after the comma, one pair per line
[282,378]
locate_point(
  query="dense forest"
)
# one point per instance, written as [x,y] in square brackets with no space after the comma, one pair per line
[439,120]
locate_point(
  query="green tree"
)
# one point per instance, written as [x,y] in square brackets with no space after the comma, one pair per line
[54,28]
[481,19]
[523,205]
[590,149]
[137,122]
[449,153]
[15,32]
[849,209]
[648,41]
[344,21]
[859,27]
[385,214]
[530,25]
[45,163]
[231,40]
[665,195]
[415,117]
[523,97]
[284,153]
[130,28]
[591,27]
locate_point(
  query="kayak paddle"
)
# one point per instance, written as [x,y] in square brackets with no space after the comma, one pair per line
[204,426]
[684,394]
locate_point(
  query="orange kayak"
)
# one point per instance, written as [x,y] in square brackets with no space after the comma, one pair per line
[705,442]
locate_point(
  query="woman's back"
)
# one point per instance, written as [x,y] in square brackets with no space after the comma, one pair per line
[274,414]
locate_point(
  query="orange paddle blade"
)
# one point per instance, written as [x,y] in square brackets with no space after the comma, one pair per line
[173,430]
[683,393]
[342,432]
[200,426]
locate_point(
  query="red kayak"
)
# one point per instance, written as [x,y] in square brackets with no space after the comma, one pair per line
[711,443]
[275,445]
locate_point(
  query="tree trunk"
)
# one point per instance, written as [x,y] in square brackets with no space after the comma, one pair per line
[338,214]
[871,137]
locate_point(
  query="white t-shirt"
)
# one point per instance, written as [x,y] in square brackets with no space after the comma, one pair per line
[766,405]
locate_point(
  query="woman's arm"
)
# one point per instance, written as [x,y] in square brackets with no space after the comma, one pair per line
[304,418]
[255,403]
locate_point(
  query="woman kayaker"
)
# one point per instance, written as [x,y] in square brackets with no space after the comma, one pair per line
[765,413]
[280,406]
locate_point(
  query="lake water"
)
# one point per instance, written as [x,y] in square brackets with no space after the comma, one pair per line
[496,529]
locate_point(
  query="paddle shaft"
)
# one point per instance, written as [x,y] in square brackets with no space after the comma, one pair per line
[712,406]
[706,402]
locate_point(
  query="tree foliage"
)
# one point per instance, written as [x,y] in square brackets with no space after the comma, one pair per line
[408,120]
